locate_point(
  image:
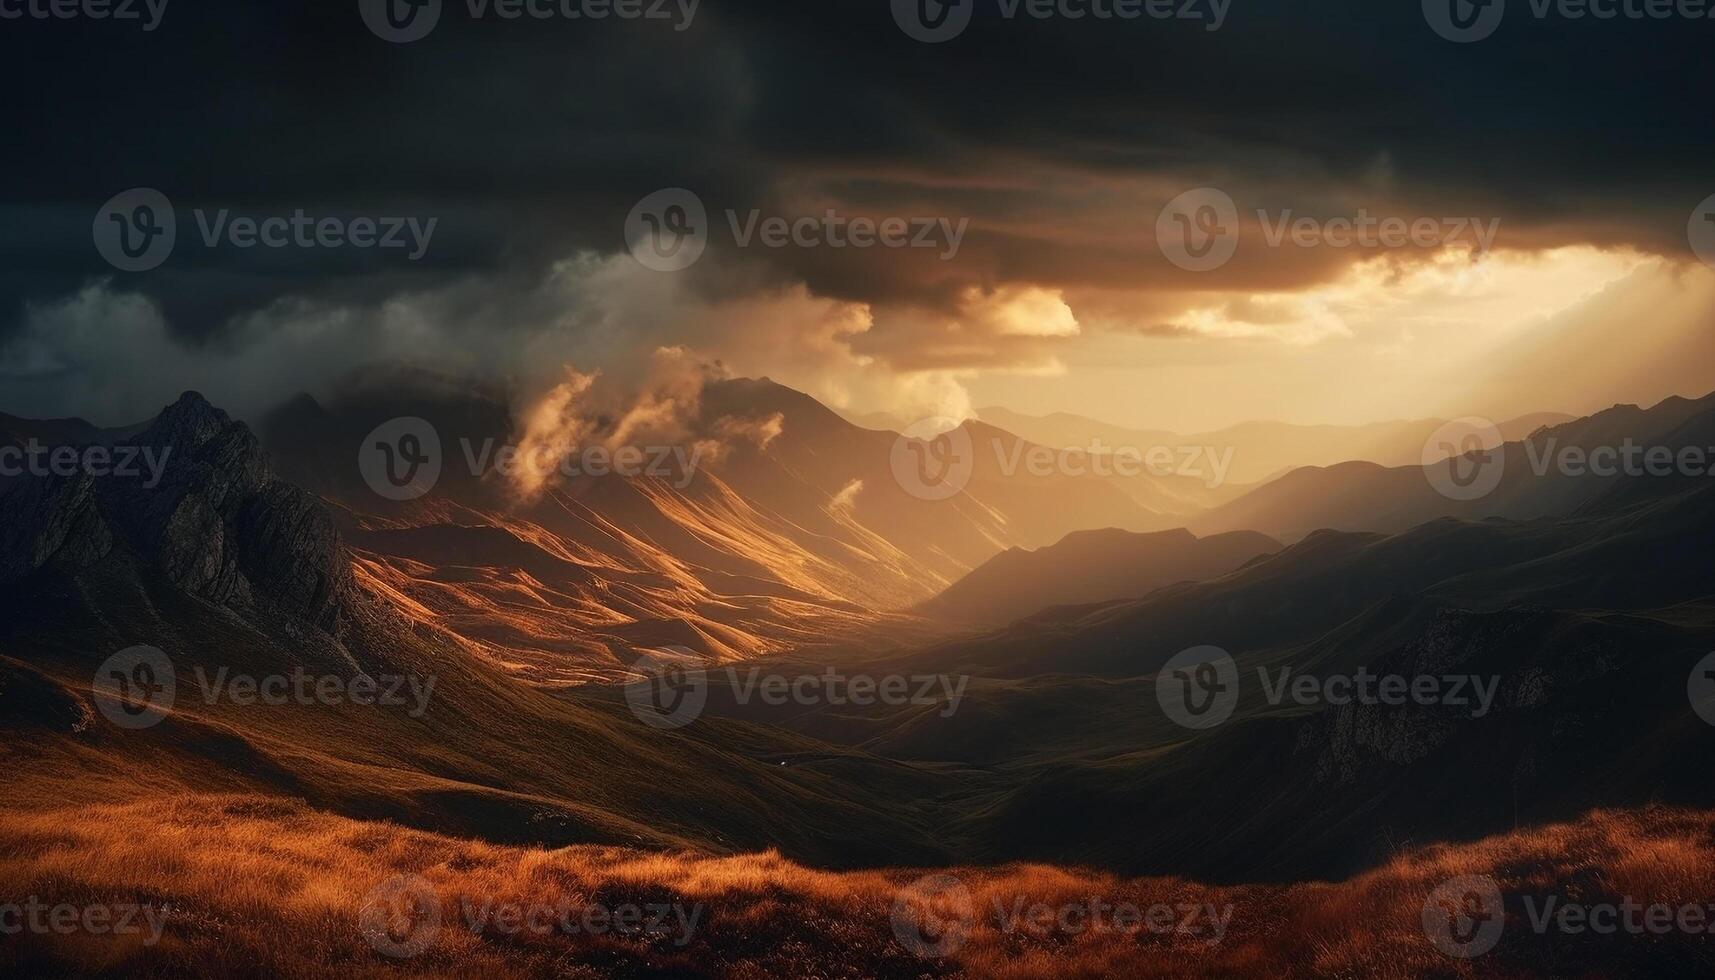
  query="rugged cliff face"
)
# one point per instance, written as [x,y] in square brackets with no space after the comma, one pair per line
[208,513]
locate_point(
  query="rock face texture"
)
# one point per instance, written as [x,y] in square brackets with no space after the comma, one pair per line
[50,520]
[193,496]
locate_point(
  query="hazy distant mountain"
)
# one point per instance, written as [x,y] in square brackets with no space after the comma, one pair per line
[18,431]
[1363,496]
[878,421]
[1063,429]
[1261,450]
[1090,567]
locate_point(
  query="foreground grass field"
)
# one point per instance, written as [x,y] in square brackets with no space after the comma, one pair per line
[256,886]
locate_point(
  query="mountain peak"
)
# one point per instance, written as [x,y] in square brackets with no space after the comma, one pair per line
[191,420]
[203,508]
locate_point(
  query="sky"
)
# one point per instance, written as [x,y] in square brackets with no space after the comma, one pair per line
[1038,167]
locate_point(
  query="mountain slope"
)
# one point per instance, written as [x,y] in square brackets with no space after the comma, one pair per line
[1361,496]
[1262,450]
[565,586]
[1587,628]
[792,529]
[1090,567]
[233,573]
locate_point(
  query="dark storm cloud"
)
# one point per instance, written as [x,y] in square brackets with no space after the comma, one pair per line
[529,141]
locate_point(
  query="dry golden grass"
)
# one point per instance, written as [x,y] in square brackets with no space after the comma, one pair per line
[261,886]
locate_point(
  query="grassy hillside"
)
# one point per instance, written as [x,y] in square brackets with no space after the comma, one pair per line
[243,886]
[489,756]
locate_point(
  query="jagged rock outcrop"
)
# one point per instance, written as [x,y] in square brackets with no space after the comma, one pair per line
[49,520]
[210,515]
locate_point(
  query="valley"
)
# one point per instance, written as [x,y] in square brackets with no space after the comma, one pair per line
[830,729]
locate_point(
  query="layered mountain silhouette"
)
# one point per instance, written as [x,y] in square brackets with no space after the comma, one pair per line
[1262,450]
[1088,567]
[1586,618]
[1587,628]
[1532,482]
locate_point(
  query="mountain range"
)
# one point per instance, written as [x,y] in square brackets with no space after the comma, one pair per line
[1585,618]
[805,536]
[1090,567]
[1545,474]
[1261,450]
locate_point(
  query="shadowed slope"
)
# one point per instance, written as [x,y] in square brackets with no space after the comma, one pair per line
[1090,567]
[1361,496]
